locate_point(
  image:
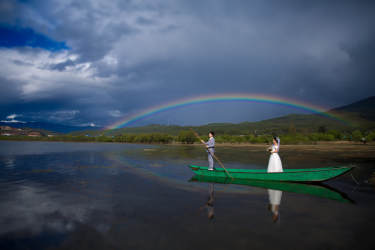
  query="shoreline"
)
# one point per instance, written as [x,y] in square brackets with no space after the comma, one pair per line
[292,155]
[224,144]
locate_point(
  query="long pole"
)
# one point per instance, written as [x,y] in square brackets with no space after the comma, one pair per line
[213,155]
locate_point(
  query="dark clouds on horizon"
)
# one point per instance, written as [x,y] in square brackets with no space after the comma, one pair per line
[120,57]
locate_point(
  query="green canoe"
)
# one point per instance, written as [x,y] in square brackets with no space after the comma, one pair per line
[318,190]
[292,175]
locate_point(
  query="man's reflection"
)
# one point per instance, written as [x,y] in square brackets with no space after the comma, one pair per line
[275,199]
[209,206]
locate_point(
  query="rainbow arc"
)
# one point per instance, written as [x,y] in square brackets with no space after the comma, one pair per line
[223,98]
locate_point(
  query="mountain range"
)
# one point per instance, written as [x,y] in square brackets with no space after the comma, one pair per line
[363,109]
[358,115]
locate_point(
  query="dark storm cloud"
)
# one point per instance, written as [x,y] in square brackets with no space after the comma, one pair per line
[128,55]
[9,92]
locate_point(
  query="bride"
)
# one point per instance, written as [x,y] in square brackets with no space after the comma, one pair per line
[274,164]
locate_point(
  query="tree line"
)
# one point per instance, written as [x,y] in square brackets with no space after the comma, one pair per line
[188,137]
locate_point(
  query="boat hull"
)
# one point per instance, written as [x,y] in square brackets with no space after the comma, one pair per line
[290,175]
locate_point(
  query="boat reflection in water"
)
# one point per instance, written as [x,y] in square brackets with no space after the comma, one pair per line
[275,189]
[319,190]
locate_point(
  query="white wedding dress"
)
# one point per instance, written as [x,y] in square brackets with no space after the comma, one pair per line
[274,164]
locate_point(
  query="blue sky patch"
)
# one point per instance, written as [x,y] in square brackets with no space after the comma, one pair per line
[19,37]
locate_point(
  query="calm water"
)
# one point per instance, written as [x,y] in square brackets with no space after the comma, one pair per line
[119,196]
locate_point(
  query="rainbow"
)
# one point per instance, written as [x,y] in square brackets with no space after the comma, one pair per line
[222,98]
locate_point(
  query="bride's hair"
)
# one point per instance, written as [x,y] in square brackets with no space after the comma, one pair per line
[277,139]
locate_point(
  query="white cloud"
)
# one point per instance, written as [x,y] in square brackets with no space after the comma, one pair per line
[35,73]
[62,115]
[12,116]
[33,209]
[115,113]
[90,124]
[11,119]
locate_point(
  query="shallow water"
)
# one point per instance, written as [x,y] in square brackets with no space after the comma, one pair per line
[122,196]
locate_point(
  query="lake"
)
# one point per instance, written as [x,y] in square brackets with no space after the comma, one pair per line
[127,196]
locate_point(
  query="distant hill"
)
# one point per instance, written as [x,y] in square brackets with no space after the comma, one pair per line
[14,131]
[358,115]
[364,109]
[60,128]
[280,125]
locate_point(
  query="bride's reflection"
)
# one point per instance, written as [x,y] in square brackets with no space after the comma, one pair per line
[275,191]
[209,205]
[274,205]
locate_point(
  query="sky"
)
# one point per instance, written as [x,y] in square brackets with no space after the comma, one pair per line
[94,62]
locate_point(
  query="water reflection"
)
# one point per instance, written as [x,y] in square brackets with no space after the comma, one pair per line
[209,205]
[274,197]
[33,209]
[274,190]
[319,190]
[274,203]
[10,163]
[73,196]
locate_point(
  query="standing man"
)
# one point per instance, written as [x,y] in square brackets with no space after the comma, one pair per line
[210,144]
